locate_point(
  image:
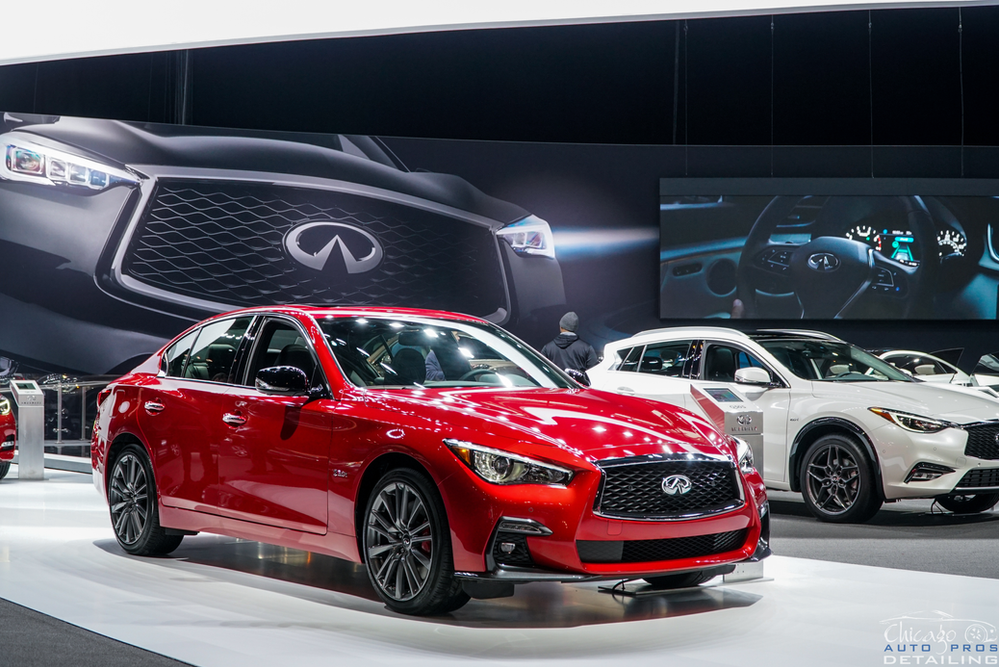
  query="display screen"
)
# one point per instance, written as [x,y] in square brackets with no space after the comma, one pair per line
[723,395]
[26,386]
[821,256]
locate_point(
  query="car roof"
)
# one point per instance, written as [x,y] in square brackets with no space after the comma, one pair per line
[726,333]
[319,312]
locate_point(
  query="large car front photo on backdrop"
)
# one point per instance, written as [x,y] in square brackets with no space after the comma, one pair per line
[122,234]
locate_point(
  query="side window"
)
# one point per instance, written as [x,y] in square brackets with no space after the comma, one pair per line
[215,350]
[173,360]
[280,343]
[630,359]
[917,365]
[666,359]
[722,361]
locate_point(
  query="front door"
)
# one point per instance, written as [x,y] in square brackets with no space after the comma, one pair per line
[719,363]
[274,455]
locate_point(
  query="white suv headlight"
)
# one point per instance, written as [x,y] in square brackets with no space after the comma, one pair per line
[745,454]
[530,236]
[499,467]
[911,422]
[29,162]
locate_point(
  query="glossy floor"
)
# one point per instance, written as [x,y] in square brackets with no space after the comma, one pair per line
[221,601]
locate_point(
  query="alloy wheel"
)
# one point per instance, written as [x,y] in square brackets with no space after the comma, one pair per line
[833,479]
[129,499]
[399,541]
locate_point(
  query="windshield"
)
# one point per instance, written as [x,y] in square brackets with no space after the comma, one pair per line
[417,352]
[831,361]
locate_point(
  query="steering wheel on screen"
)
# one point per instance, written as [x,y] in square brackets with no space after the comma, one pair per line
[829,276]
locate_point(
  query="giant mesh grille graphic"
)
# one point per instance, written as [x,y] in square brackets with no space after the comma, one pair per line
[982,441]
[224,242]
[636,491]
[647,551]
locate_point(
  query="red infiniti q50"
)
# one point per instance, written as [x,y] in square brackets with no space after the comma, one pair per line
[439,450]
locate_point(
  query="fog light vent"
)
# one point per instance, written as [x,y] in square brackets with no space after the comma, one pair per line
[926,472]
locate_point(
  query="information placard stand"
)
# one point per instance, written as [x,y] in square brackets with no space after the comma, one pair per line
[30,403]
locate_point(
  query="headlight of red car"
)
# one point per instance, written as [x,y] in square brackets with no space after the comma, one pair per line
[499,467]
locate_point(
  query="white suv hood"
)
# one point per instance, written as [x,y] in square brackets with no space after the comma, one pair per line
[926,399]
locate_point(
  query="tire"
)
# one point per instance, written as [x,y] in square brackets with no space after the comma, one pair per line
[407,546]
[4,468]
[971,503]
[684,580]
[838,481]
[134,510]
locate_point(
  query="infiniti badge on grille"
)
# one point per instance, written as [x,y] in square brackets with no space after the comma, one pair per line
[676,485]
[313,243]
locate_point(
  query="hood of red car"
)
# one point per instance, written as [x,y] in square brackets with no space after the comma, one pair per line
[584,423]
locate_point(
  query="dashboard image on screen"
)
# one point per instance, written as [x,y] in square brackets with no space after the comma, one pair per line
[850,256]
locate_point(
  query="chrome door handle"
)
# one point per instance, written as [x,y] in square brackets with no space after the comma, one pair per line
[233,420]
[153,406]
[626,390]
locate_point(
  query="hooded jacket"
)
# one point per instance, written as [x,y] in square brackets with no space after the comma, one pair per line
[569,351]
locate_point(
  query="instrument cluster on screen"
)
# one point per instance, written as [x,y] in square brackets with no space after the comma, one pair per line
[901,245]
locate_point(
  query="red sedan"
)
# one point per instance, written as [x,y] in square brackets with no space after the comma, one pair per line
[8,436]
[438,449]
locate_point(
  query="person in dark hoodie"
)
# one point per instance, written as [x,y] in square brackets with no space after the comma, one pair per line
[568,350]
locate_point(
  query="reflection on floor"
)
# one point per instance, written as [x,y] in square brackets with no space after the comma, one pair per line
[221,601]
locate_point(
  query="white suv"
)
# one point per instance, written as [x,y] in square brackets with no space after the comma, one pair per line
[845,428]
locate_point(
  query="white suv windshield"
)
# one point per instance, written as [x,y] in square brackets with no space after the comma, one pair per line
[831,361]
[413,353]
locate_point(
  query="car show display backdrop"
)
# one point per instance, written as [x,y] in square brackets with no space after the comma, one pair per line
[116,236]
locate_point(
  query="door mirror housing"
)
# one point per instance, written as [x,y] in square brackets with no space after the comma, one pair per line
[282,381]
[753,376]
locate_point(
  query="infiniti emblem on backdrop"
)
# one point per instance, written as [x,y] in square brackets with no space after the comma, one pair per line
[823,261]
[676,485]
[313,245]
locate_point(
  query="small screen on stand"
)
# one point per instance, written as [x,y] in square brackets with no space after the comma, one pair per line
[723,395]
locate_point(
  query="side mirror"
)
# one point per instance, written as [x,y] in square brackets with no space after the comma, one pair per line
[753,376]
[282,381]
[579,376]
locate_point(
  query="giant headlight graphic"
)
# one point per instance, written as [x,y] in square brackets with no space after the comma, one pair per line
[31,163]
[530,236]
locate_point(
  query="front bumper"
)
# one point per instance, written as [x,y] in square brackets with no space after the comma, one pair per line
[966,457]
[572,543]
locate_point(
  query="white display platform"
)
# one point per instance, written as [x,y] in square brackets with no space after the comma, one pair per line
[221,601]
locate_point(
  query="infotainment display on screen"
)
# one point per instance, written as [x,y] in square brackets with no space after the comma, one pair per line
[828,249]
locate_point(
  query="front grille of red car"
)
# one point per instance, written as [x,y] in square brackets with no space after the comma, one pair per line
[634,488]
[982,478]
[648,551]
[225,243]
[982,443]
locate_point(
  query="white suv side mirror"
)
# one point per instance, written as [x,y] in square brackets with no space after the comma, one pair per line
[753,376]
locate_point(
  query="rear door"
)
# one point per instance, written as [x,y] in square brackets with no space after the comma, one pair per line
[658,371]
[180,411]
